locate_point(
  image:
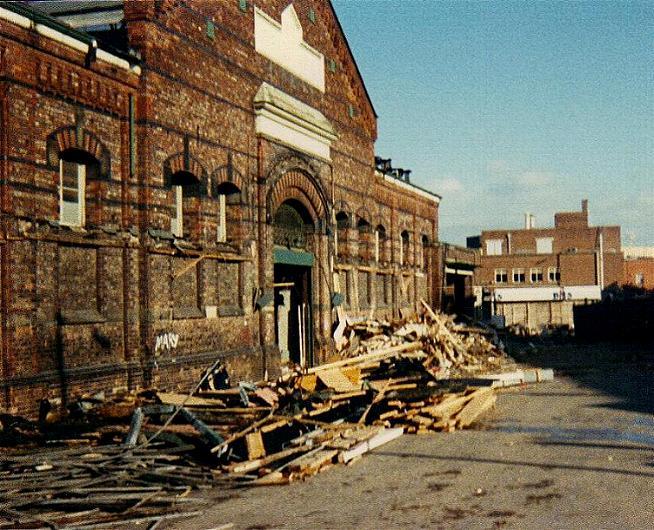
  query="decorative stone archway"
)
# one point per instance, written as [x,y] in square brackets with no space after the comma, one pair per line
[293,189]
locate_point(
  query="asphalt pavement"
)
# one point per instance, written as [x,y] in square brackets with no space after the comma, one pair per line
[577,452]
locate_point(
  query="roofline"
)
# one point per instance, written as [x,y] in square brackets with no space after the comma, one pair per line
[347,45]
[409,186]
[39,17]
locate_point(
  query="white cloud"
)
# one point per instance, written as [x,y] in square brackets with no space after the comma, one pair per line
[448,185]
[530,179]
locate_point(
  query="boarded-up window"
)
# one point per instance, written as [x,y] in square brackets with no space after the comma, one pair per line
[494,247]
[364,299]
[544,245]
[345,288]
[185,288]
[229,290]
[380,290]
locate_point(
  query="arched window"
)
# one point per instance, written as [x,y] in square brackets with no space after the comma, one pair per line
[342,224]
[229,212]
[75,167]
[404,247]
[424,250]
[183,184]
[365,233]
[380,244]
[292,223]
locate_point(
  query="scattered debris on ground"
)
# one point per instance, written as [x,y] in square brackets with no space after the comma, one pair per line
[135,458]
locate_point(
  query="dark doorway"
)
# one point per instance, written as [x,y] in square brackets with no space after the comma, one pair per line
[458,298]
[294,331]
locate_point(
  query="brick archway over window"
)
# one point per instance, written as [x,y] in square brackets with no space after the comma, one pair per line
[73,138]
[183,163]
[229,174]
[298,185]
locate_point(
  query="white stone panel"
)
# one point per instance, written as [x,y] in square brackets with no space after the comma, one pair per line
[283,44]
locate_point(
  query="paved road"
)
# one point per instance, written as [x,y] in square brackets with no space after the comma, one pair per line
[574,453]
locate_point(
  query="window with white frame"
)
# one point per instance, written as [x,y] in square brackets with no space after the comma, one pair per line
[544,245]
[493,247]
[553,274]
[535,275]
[177,221]
[221,231]
[518,275]
[501,276]
[72,183]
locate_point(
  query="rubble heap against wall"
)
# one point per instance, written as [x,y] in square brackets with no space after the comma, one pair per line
[135,458]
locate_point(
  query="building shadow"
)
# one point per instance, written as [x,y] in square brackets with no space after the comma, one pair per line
[522,463]
[623,371]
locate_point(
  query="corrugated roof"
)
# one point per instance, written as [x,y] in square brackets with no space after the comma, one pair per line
[82,13]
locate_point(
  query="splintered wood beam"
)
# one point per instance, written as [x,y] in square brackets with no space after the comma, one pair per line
[480,403]
[234,437]
[254,445]
[383,437]
[253,465]
[212,436]
[376,355]
[135,427]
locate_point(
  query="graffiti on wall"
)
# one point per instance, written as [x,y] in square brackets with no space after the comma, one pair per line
[165,342]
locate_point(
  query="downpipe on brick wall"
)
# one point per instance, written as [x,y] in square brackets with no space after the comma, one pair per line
[261,257]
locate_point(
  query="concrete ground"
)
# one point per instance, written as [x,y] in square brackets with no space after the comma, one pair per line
[574,453]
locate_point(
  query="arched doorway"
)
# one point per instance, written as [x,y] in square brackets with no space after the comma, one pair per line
[294,259]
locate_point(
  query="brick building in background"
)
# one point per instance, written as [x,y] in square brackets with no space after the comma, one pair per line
[175,188]
[532,277]
[639,268]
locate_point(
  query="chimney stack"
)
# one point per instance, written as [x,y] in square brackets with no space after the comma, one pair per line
[530,221]
[584,206]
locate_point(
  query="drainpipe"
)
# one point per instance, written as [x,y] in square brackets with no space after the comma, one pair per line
[262,246]
[5,251]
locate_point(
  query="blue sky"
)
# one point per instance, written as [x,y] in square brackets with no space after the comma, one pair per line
[508,107]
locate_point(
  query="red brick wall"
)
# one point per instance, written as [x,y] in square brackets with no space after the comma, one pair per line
[639,267]
[82,309]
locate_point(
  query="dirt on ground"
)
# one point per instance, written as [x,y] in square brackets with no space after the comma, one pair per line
[577,452]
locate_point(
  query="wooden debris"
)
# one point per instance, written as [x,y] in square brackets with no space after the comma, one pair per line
[414,376]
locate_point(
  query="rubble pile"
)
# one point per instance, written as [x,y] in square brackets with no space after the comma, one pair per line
[452,349]
[106,487]
[419,376]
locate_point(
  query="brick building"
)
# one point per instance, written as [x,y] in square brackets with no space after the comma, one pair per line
[458,288]
[532,277]
[639,268]
[186,180]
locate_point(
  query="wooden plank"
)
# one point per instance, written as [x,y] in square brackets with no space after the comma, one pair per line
[348,395]
[376,355]
[254,444]
[169,398]
[311,464]
[446,408]
[252,465]
[377,440]
[336,379]
[238,435]
[210,435]
[309,382]
[475,408]
[276,478]
[353,373]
